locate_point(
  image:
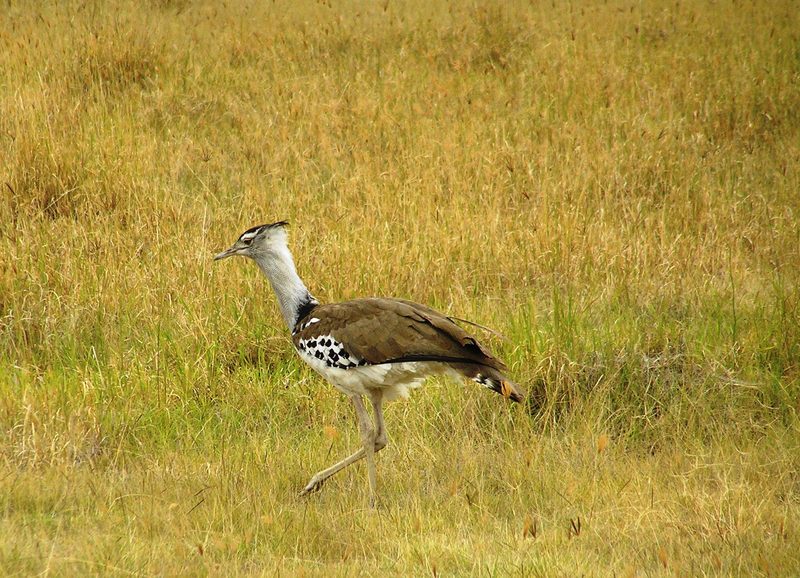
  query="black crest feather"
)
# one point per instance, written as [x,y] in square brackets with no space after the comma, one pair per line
[253,231]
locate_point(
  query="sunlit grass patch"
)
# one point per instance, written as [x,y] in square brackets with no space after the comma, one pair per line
[612,187]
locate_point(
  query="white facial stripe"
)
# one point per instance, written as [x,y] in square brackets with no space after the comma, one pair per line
[311,321]
[249,236]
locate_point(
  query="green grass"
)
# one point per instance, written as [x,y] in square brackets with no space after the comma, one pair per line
[614,187]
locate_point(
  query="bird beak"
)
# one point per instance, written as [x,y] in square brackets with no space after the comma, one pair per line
[225,254]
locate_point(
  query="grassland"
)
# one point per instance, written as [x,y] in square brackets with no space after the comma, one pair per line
[612,186]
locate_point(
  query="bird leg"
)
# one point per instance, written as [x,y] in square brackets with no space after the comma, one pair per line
[368,439]
[320,477]
[369,445]
[381,439]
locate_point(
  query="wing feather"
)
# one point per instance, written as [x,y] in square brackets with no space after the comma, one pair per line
[379,330]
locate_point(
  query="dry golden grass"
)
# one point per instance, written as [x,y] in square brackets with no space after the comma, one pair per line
[613,186]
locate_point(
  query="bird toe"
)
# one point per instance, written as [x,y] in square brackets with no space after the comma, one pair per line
[313,486]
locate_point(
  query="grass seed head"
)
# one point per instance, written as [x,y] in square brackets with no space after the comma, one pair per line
[530,528]
[662,556]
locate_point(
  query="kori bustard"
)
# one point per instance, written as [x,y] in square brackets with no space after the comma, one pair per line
[375,348]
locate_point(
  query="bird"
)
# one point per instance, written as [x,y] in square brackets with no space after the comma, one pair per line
[374,348]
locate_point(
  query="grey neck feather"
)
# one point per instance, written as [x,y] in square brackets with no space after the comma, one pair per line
[278,266]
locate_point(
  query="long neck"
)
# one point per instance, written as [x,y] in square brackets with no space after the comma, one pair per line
[293,296]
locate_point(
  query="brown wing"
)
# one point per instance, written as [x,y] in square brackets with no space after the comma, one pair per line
[380,330]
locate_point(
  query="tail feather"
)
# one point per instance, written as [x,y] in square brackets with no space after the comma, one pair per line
[491,378]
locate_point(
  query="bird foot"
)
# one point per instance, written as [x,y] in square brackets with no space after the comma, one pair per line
[315,485]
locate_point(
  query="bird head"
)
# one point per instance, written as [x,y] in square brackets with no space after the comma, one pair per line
[258,242]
